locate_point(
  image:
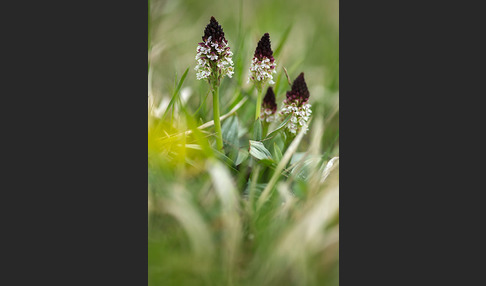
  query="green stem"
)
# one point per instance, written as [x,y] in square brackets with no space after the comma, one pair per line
[259,102]
[217,122]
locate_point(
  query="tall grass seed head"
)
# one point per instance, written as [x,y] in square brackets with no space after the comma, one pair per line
[269,106]
[213,54]
[263,64]
[296,104]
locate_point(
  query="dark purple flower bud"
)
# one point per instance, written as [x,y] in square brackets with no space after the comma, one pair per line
[264,48]
[299,92]
[269,100]
[269,106]
[214,30]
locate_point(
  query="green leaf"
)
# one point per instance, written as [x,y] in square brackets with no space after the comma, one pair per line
[258,151]
[222,157]
[282,125]
[277,152]
[242,156]
[257,130]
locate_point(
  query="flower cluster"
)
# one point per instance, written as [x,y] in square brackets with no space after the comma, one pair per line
[297,105]
[263,64]
[213,54]
[269,106]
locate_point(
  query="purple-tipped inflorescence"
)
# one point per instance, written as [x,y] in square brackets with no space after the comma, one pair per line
[214,54]
[297,105]
[269,106]
[263,64]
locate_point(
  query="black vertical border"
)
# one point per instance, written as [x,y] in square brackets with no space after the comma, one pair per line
[412,135]
[97,233]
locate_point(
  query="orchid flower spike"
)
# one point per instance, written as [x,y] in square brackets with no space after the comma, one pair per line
[213,54]
[296,104]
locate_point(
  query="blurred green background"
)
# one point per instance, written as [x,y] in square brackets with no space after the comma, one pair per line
[193,238]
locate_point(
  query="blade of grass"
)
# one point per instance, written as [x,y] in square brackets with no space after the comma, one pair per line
[282,42]
[277,85]
[202,103]
[287,75]
[227,193]
[180,205]
[254,178]
[281,165]
[175,94]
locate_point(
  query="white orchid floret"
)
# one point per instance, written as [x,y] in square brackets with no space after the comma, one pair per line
[267,115]
[262,71]
[300,115]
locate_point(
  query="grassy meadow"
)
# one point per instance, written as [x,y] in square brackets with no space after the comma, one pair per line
[265,209]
